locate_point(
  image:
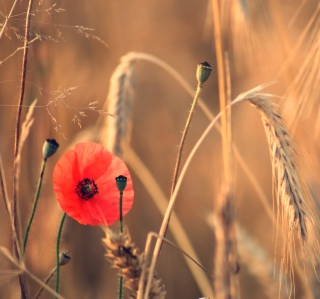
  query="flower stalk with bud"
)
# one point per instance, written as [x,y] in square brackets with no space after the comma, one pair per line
[49,148]
[203,72]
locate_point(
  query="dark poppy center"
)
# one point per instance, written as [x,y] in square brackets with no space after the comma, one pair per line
[87,189]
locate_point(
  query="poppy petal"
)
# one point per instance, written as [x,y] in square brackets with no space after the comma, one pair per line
[93,159]
[85,186]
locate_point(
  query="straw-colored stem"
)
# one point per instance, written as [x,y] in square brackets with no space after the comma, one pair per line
[166,218]
[222,85]
[36,199]
[177,230]
[8,18]
[46,282]
[22,279]
[10,258]
[183,138]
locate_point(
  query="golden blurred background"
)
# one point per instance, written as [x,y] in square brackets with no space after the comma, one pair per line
[265,40]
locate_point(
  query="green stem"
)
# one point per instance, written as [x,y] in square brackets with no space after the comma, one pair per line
[58,251]
[34,205]
[121,214]
[121,231]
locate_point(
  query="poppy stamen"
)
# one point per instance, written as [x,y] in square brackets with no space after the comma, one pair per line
[87,189]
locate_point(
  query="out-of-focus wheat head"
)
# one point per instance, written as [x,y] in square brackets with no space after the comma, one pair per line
[125,256]
[295,207]
[248,25]
[115,132]
[306,84]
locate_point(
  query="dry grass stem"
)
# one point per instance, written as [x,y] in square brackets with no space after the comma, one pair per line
[115,132]
[25,130]
[169,210]
[23,269]
[176,227]
[254,257]
[225,264]
[7,18]
[125,256]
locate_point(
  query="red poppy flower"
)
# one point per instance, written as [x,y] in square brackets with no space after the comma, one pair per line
[85,185]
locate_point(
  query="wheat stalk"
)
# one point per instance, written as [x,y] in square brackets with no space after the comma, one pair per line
[114,134]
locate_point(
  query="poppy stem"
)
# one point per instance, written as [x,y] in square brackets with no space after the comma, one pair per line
[121,231]
[57,251]
[44,162]
[183,138]
[121,214]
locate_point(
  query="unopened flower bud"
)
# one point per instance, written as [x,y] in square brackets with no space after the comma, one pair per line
[49,148]
[203,72]
[64,257]
[121,182]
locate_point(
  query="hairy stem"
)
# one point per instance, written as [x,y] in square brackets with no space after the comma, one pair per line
[183,138]
[121,231]
[34,205]
[58,251]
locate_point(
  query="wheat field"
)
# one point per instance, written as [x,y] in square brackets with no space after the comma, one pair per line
[239,218]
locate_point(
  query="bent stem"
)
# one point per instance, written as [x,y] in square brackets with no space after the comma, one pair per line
[36,199]
[177,230]
[58,251]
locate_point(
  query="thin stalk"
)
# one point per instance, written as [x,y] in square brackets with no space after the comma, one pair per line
[183,138]
[10,258]
[46,282]
[121,231]
[121,212]
[36,199]
[58,251]
[8,18]
[4,188]
[166,218]
[222,85]
[22,278]
[177,230]
[225,284]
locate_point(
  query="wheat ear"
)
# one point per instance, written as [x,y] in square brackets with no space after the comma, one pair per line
[287,183]
[295,206]
[115,129]
[125,256]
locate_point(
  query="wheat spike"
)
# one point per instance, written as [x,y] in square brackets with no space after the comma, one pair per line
[125,256]
[286,178]
[114,134]
[296,207]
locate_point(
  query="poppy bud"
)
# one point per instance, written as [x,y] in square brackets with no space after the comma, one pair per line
[64,257]
[121,182]
[49,148]
[203,72]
